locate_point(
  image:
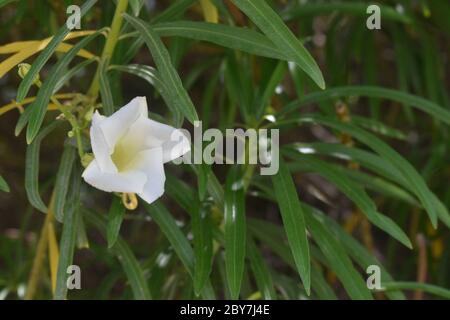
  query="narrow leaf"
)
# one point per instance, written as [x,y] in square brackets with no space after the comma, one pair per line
[293,221]
[357,195]
[62,181]
[203,245]
[405,285]
[25,85]
[3,185]
[130,265]
[242,39]
[274,28]
[408,172]
[32,168]
[105,89]
[177,239]
[165,68]
[152,76]
[260,271]
[68,235]
[115,218]
[39,106]
[235,235]
[338,260]
[419,103]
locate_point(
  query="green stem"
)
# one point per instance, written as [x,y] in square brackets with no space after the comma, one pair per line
[71,118]
[110,44]
[74,123]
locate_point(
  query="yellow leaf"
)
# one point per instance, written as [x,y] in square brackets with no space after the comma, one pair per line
[20,45]
[20,56]
[14,104]
[64,47]
[209,11]
[26,49]
[53,252]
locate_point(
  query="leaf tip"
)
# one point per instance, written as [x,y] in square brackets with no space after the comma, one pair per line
[30,138]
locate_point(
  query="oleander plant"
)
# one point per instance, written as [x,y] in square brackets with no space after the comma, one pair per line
[96,204]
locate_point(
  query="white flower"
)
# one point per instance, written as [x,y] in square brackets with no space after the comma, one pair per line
[130,150]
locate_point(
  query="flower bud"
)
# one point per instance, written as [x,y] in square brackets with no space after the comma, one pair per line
[24,68]
[87,159]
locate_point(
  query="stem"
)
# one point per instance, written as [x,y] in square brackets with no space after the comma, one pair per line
[72,120]
[34,278]
[74,123]
[422,264]
[110,44]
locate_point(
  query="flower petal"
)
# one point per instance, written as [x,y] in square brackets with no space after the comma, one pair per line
[150,162]
[118,124]
[140,136]
[129,181]
[147,134]
[101,150]
[173,142]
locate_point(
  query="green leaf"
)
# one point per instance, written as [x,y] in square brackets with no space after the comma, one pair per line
[203,245]
[274,28]
[130,265]
[32,168]
[68,235]
[359,253]
[105,89]
[320,285]
[375,164]
[236,38]
[260,271]
[293,221]
[3,185]
[165,68]
[357,195]
[264,99]
[115,218]
[136,6]
[202,180]
[419,103]
[152,76]
[338,259]
[379,185]
[70,73]
[378,127]
[63,180]
[201,229]
[82,237]
[405,285]
[418,185]
[358,8]
[213,186]
[274,237]
[235,236]
[173,11]
[182,193]
[180,244]
[39,106]
[40,61]
[23,120]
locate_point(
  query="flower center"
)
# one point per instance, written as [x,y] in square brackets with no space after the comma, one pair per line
[121,156]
